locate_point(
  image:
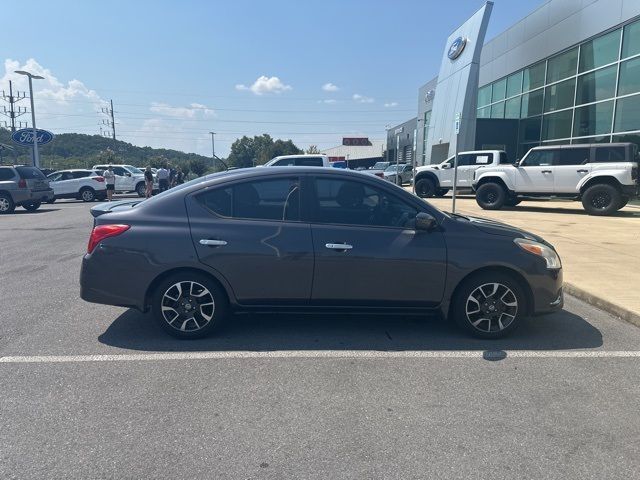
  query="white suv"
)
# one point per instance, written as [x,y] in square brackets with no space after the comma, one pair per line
[308,160]
[128,178]
[85,185]
[436,180]
[603,176]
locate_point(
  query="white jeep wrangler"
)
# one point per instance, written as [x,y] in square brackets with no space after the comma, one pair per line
[436,180]
[603,176]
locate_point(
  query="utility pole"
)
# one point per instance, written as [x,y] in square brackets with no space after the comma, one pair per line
[110,121]
[36,154]
[213,148]
[12,113]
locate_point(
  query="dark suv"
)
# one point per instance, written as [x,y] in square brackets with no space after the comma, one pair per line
[24,186]
[298,238]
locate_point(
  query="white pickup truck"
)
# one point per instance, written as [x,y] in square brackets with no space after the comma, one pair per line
[436,180]
[604,176]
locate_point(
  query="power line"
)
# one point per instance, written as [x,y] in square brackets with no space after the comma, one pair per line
[110,120]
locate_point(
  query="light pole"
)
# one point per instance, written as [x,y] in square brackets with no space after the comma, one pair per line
[36,155]
[213,147]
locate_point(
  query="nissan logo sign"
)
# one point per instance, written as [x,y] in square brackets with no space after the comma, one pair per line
[456,48]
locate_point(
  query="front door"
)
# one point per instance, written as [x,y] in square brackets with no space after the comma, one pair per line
[535,173]
[123,182]
[250,233]
[367,253]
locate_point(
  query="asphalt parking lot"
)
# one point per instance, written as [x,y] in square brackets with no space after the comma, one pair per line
[90,391]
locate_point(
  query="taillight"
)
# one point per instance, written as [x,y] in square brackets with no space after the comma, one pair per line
[98,179]
[381,175]
[22,183]
[101,232]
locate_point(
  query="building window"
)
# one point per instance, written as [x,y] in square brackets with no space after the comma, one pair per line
[598,85]
[533,77]
[499,90]
[603,139]
[557,125]
[512,108]
[497,110]
[514,84]
[530,130]
[559,95]
[631,40]
[629,77]
[633,138]
[593,119]
[484,112]
[599,51]
[484,96]
[627,114]
[532,103]
[562,66]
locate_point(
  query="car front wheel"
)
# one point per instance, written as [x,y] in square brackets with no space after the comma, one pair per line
[32,207]
[491,196]
[425,187]
[489,305]
[141,189]
[87,195]
[6,204]
[189,305]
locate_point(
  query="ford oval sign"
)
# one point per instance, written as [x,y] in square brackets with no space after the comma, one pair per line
[24,137]
[456,48]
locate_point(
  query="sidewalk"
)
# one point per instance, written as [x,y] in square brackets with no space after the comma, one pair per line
[600,255]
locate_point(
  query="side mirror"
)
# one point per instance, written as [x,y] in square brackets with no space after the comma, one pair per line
[446,166]
[127,174]
[424,221]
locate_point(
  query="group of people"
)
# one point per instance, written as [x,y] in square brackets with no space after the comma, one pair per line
[168,177]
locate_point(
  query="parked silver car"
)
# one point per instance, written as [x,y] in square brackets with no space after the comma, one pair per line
[23,186]
[399,174]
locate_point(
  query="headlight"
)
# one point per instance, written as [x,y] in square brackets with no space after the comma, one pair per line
[541,250]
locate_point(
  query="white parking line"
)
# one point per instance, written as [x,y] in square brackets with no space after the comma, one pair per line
[489,354]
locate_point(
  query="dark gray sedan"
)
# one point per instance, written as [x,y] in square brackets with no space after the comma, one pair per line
[298,239]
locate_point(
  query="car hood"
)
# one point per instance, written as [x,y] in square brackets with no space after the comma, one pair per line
[493,227]
[108,207]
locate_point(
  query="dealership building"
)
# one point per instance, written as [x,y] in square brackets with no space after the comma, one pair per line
[569,72]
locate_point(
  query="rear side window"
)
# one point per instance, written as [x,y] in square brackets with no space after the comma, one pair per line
[277,199]
[572,156]
[309,162]
[610,154]
[29,172]
[285,162]
[80,174]
[6,174]
[482,159]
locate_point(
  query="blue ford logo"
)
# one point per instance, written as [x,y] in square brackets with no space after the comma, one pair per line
[456,48]
[24,137]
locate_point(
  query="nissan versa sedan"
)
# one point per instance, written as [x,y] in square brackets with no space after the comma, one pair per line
[297,239]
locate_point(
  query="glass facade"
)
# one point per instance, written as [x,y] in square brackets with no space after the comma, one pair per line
[587,94]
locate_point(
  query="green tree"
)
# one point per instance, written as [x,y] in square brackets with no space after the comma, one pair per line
[198,167]
[260,149]
[313,149]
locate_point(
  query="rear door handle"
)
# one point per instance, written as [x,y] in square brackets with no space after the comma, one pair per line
[582,171]
[546,171]
[339,246]
[212,243]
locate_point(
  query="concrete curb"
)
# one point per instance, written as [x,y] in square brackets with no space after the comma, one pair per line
[602,304]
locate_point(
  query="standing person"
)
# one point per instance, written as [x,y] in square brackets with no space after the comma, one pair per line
[179,176]
[163,178]
[148,181]
[172,177]
[110,180]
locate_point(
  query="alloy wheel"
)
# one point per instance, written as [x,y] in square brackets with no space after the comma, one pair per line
[87,195]
[4,204]
[601,200]
[187,306]
[491,307]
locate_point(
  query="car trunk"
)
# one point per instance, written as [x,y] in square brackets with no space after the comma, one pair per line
[33,178]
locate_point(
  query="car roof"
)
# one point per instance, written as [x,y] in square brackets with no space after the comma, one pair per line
[302,155]
[582,145]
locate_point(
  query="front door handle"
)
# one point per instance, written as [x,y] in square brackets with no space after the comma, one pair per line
[582,171]
[339,246]
[546,171]
[212,243]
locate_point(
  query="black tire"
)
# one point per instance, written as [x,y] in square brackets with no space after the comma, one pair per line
[87,194]
[623,202]
[52,200]
[6,204]
[425,188]
[141,189]
[441,192]
[509,317]
[491,196]
[512,202]
[601,199]
[166,291]
[32,207]
[399,181]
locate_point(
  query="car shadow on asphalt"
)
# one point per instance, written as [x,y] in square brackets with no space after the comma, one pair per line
[19,211]
[571,211]
[252,332]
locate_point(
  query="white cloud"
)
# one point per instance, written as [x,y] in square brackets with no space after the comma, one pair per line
[264,85]
[391,104]
[328,100]
[192,111]
[330,87]
[362,99]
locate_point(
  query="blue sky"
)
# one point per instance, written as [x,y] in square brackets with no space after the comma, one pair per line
[176,70]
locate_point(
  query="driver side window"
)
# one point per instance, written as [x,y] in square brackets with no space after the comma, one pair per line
[348,202]
[539,158]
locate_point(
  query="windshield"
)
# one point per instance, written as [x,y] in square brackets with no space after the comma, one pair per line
[394,168]
[380,165]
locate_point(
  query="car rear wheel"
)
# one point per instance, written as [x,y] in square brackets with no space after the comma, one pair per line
[32,207]
[601,199]
[425,187]
[441,192]
[141,189]
[87,194]
[51,200]
[489,305]
[189,305]
[6,204]
[491,196]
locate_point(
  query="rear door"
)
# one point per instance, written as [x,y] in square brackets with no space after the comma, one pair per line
[367,252]
[251,232]
[35,179]
[571,165]
[535,173]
